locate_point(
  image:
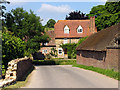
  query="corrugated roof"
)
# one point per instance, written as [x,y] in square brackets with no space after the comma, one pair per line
[100,40]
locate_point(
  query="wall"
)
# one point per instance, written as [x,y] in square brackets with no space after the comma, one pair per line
[17,69]
[113,58]
[103,59]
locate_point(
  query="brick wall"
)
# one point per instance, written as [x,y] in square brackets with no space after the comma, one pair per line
[103,59]
[112,58]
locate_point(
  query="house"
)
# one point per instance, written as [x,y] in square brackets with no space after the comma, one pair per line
[101,49]
[68,31]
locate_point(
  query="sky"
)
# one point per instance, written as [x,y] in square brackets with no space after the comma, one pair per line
[54,9]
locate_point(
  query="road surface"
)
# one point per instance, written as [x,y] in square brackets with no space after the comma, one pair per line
[66,76]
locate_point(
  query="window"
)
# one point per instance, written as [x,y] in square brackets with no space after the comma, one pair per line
[66,29]
[60,51]
[44,51]
[45,43]
[79,29]
[65,41]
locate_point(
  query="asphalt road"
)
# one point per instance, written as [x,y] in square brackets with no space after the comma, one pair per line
[66,76]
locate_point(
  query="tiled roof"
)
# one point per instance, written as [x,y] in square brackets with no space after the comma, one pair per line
[52,36]
[101,40]
[73,25]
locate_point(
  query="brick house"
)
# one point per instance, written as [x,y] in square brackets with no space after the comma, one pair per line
[68,31]
[101,49]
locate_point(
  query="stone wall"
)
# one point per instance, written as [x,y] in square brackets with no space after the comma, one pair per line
[104,59]
[17,69]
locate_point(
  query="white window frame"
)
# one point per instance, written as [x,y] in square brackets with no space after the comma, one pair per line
[45,43]
[66,29]
[58,51]
[65,41]
[44,51]
[79,27]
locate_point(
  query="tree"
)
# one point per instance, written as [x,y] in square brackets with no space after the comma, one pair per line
[50,23]
[12,48]
[26,26]
[76,15]
[106,15]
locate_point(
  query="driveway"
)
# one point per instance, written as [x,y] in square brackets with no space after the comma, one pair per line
[66,76]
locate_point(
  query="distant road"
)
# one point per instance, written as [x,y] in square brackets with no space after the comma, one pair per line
[66,76]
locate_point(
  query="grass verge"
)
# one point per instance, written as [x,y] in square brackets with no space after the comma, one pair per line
[20,83]
[107,72]
[54,62]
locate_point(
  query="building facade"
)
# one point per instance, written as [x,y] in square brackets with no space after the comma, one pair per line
[69,31]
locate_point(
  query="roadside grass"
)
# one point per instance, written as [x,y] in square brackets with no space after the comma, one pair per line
[107,72]
[54,62]
[20,83]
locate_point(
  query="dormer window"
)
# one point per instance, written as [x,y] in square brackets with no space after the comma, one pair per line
[79,29]
[66,29]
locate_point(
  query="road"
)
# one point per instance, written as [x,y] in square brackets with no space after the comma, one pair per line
[66,76]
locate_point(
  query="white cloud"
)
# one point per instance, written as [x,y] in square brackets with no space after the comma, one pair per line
[48,11]
[54,9]
[57,0]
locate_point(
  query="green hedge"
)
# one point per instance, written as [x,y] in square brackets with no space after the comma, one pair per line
[54,62]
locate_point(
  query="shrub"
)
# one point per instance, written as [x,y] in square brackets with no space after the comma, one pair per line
[12,48]
[71,49]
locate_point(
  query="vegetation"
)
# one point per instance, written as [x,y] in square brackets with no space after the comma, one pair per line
[106,15]
[71,48]
[54,62]
[12,47]
[107,72]
[50,23]
[76,15]
[81,40]
[26,26]
[53,52]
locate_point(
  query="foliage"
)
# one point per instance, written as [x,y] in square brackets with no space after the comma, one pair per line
[53,52]
[50,23]
[12,48]
[76,15]
[106,15]
[48,57]
[71,49]
[81,40]
[107,72]
[28,27]
[54,62]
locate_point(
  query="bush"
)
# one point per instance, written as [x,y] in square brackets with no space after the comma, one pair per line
[71,49]
[12,48]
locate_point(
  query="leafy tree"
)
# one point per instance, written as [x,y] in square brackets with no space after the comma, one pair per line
[76,15]
[106,15]
[27,26]
[50,23]
[12,47]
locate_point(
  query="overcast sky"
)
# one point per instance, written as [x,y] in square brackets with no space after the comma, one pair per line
[54,9]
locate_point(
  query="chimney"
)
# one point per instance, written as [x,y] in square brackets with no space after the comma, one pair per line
[92,25]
